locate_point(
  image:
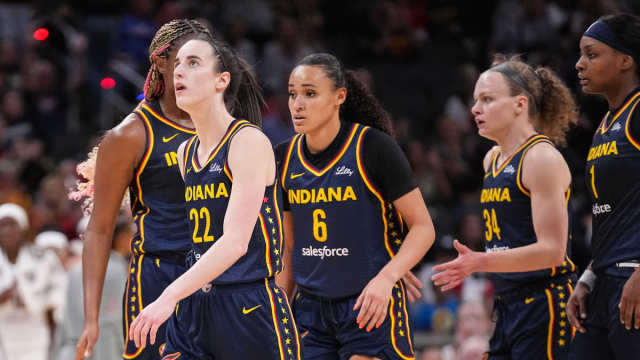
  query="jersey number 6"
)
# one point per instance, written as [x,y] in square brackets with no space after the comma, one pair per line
[319,226]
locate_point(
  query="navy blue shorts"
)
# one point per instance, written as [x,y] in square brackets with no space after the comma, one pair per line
[231,322]
[532,323]
[329,330]
[606,337]
[149,275]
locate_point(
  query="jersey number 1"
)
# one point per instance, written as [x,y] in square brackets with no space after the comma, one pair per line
[593,180]
[491,221]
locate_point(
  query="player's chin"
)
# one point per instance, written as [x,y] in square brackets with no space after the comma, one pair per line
[483,131]
[588,88]
[182,102]
[300,128]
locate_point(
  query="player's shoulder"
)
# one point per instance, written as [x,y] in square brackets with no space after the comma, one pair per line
[543,153]
[544,164]
[250,139]
[375,140]
[251,134]
[129,134]
[282,148]
[486,162]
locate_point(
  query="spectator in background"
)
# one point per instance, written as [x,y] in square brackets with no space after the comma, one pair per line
[431,353]
[473,320]
[37,288]
[136,31]
[47,104]
[473,348]
[236,31]
[52,207]
[282,54]
[436,310]
[10,189]
[109,345]
[56,242]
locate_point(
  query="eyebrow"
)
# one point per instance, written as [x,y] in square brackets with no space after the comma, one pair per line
[304,85]
[189,57]
[483,93]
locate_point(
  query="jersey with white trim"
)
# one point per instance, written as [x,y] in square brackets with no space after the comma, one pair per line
[342,224]
[156,190]
[613,180]
[508,220]
[207,191]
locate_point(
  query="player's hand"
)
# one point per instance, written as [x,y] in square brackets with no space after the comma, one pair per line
[373,302]
[630,302]
[413,285]
[577,306]
[150,319]
[87,341]
[453,273]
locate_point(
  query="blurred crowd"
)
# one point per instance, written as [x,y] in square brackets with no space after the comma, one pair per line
[69,70]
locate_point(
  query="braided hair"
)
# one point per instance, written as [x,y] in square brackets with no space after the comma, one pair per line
[160,46]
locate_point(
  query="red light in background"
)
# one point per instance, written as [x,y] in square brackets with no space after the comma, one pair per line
[108,83]
[41,34]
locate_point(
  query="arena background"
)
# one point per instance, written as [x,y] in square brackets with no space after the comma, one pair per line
[69,70]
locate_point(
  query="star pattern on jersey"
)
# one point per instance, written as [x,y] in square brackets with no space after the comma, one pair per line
[131,299]
[274,233]
[286,325]
[399,309]
[562,341]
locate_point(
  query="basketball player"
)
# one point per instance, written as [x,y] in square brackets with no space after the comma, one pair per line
[140,154]
[355,221]
[606,306]
[229,304]
[524,206]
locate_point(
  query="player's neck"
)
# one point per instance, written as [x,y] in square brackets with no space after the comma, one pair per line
[320,139]
[618,94]
[172,111]
[513,139]
[211,121]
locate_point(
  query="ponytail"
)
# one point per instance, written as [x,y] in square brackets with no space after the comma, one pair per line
[558,109]
[362,107]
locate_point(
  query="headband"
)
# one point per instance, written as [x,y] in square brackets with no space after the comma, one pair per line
[600,31]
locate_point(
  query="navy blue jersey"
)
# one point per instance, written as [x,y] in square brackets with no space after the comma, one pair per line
[613,180]
[156,190]
[342,224]
[207,191]
[506,212]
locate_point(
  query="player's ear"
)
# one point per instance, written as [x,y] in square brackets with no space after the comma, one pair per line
[341,96]
[223,80]
[521,104]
